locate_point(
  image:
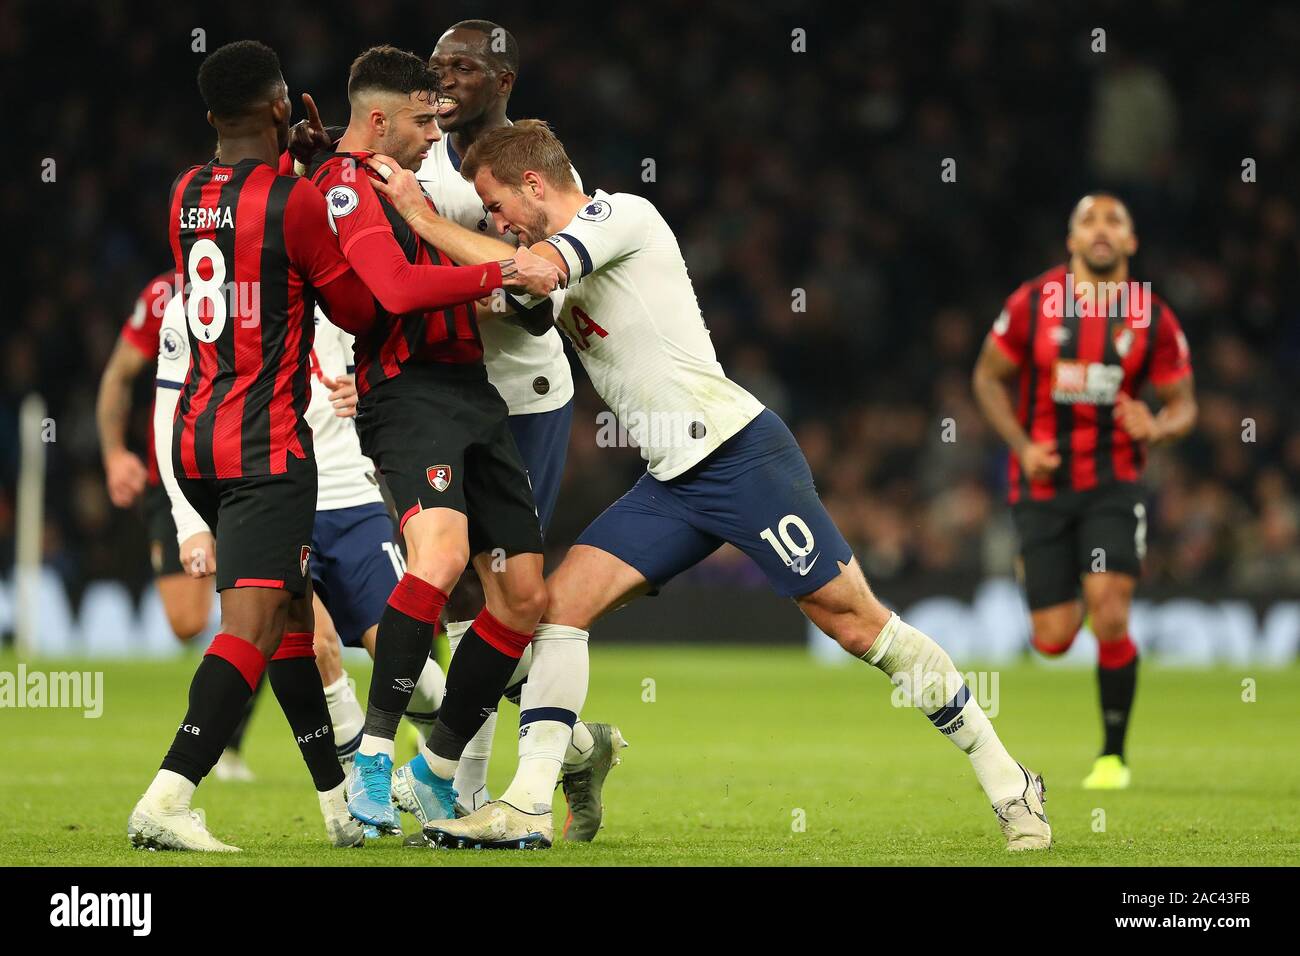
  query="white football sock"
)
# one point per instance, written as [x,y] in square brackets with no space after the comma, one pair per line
[426,698]
[472,771]
[552,699]
[372,745]
[926,673]
[579,747]
[346,714]
[170,790]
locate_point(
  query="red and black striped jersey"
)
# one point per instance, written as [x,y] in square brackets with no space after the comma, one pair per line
[1074,359]
[449,334]
[251,249]
[141,330]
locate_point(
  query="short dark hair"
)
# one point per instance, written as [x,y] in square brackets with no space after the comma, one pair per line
[238,76]
[507,58]
[392,70]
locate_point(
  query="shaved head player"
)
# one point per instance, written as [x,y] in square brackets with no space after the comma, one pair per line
[1078,344]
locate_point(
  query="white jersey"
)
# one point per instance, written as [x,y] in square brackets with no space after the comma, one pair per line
[530,371]
[345,478]
[633,319]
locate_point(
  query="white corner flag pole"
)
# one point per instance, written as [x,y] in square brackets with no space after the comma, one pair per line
[30,523]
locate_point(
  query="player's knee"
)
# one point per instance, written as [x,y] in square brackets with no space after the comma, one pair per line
[1110,622]
[848,611]
[442,567]
[858,630]
[524,603]
[567,605]
[325,643]
[1051,640]
[187,624]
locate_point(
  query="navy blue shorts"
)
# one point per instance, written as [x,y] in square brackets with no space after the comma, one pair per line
[543,440]
[755,492]
[355,564]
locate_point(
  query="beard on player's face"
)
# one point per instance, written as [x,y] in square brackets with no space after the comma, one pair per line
[403,144]
[1103,263]
[532,223]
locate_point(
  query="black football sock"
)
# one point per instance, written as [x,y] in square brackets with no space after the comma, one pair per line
[1117,669]
[487,655]
[222,686]
[402,645]
[296,683]
[237,738]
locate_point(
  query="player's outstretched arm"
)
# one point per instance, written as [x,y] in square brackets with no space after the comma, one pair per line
[459,244]
[528,274]
[126,474]
[366,241]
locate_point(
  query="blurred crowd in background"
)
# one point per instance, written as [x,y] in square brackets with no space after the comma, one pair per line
[787,175]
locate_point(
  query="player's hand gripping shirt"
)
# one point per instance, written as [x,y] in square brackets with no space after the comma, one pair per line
[530,371]
[384,250]
[631,314]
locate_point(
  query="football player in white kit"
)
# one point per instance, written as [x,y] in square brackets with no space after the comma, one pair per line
[355,559]
[477,62]
[721,468]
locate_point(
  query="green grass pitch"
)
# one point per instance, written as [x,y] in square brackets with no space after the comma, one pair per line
[742,756]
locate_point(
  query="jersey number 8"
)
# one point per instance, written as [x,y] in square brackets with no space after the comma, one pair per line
[206,290]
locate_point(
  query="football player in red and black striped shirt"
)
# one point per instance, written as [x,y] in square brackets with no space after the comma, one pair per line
[439,433]
[252,256]
[1077,345]
[186,600]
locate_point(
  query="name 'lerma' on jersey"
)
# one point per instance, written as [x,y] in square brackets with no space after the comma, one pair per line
[633,318]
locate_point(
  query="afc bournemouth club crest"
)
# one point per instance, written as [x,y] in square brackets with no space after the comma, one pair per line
[303,557]
[1122,336]
[440,477]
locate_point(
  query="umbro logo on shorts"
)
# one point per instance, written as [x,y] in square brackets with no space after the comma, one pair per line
[439,477]
[403,684]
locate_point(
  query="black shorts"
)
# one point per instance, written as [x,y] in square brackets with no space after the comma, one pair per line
[1078,533]
[263,525]
[163,551]
[440,436]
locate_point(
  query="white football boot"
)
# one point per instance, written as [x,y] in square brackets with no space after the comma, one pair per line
[340,827]
[156,827]
[493,826]
[1023,819]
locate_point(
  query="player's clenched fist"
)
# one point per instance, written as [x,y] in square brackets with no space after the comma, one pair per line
[529,272]
[199,555]
[1135,418]
[126,477]
[1039,459]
